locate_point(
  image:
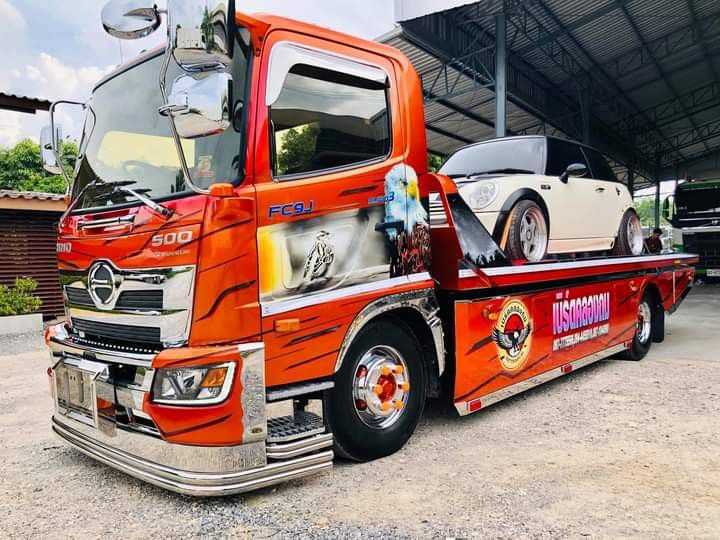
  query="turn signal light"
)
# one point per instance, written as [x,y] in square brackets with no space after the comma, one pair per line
[214,378]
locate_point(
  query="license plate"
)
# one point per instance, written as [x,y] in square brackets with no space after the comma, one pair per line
[74,392]
[713,272]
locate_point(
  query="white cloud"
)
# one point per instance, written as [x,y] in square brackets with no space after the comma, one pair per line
[11,129]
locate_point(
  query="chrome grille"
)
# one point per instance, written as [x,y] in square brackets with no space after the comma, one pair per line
[150,306]
[120,332]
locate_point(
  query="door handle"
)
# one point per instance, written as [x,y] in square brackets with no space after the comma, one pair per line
[599,189]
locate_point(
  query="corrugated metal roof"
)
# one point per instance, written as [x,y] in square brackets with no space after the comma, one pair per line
[633,57]
[30,195]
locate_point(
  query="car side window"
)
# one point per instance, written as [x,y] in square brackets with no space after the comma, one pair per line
[599,166]
[560,154]
[325,119]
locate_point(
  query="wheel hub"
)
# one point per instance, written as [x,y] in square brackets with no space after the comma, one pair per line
[644,322]
[381,387]
[533,234]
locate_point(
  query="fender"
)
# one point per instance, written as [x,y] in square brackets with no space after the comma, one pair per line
[423,301]
[512,200]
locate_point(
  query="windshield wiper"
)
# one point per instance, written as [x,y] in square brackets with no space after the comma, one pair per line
[502,171]
[164,211]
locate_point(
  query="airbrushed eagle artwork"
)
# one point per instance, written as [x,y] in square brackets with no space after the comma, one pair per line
[406,222]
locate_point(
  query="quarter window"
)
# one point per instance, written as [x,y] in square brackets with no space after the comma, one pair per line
[324,119]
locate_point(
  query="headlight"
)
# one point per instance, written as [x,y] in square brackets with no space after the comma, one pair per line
[203,385]
[483,194]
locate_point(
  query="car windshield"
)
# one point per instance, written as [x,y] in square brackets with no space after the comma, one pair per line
[698,198]
[125,139]
[519,154]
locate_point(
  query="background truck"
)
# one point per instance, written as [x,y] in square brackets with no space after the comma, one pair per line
[694,212]
[251,280]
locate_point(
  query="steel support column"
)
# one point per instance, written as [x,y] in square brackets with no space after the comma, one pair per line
[657,202]
[500,76]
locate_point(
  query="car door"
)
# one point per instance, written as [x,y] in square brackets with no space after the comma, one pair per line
[571,205]
[611,196]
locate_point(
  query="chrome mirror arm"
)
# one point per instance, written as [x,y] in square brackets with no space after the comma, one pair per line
[55,144]
[173,128]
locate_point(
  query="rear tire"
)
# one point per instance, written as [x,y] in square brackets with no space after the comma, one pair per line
[528,232]
[644,330]
[382,367]
[629,240]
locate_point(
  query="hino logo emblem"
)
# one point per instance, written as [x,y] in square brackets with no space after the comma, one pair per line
[103,284]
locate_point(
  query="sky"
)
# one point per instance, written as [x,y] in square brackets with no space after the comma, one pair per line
[58,49]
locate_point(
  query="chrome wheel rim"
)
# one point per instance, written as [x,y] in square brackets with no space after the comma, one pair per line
[381,387]
[533,234]
[644,322]
[634,235]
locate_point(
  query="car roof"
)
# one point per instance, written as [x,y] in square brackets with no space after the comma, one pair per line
[521,137]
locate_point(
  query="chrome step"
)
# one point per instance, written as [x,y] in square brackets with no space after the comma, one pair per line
[299,447]
[302,424]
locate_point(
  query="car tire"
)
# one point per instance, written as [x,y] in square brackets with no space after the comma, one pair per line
[527,235]
[353,408]
[629,239]
[645,329]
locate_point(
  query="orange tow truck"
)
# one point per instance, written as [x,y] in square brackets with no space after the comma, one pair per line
[253,283]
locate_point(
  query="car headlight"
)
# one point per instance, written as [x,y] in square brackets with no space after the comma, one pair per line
[202,385]
[483,194]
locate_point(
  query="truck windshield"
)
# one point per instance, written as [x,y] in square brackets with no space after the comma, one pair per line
[698,199]
[520,154]
[126,139]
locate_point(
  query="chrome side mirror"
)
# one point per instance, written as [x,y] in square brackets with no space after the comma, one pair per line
[574,170]
[200,33]
[49,148]
[130,19]
[200,107]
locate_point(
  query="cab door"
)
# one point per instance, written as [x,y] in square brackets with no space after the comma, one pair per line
[332,193]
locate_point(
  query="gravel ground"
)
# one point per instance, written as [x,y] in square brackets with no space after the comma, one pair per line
[618,449]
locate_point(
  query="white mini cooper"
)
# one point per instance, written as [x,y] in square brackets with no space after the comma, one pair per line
[540,195]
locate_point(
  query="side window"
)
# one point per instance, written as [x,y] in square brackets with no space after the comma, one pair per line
[325,119]
[599,166]
[560,154]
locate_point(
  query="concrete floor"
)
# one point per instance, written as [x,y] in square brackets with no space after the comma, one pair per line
[618,449]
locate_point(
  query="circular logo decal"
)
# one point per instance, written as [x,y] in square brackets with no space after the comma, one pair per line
[512,335]
[101,284]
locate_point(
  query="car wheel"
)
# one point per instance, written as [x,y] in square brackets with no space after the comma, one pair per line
[644,330]
[629,240]
[527,237]
[379,392]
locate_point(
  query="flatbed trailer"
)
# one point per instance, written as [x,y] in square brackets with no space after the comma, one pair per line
[245,331]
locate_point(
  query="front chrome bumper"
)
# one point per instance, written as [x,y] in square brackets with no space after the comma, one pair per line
[208,471]
[104,420]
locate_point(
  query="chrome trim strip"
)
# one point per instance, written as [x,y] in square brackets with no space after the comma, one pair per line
[301,389]
[252,379]
[548,267]
[423,301]
[462,407]
[101,223]
[282,306]
[217,470]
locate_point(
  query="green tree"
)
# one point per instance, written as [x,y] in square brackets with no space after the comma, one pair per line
[645,209]
[434,162]
[296,148]
[21,168]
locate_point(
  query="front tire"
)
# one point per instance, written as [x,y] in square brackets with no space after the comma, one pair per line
[644,329]
[528,232]
[629,240]
[379,392]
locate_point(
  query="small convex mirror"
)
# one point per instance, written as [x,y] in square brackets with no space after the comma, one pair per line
[200,105]
[200,33]
[48,147]
[130,19]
